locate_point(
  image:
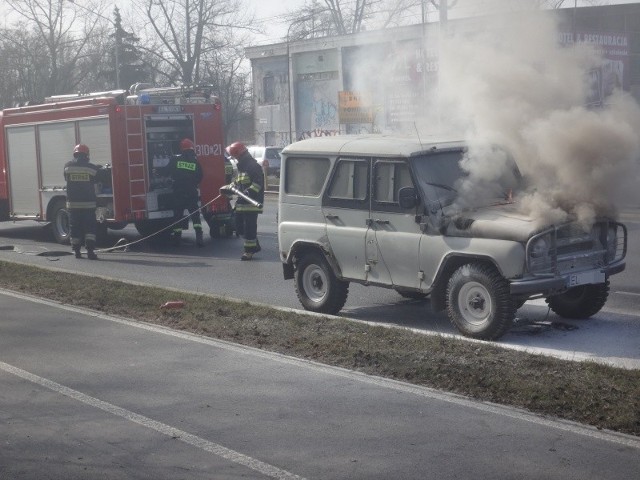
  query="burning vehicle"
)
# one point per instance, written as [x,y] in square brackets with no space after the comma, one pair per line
[392,212]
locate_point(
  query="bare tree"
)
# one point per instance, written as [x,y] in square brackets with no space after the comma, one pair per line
[23,67]
[443,7]
[226,70]
[53,22]
[183,31]
[347,18]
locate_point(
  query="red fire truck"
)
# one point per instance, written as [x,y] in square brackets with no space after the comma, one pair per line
[132,135]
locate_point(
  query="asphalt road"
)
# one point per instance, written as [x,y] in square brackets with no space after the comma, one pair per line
[84,395]
[611,336]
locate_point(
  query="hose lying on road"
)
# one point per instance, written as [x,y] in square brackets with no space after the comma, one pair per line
[124,247]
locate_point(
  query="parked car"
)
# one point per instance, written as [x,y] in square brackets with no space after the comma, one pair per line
[381,210]
[269,155]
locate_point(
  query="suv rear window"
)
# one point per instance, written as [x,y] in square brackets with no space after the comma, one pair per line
[305,176]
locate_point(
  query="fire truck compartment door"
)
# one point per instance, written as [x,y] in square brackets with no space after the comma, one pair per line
[96,134]
[57,140]
[22,164]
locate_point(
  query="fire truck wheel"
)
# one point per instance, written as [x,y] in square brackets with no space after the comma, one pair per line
[60,222]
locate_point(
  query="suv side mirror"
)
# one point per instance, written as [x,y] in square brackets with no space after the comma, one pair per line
[407,197]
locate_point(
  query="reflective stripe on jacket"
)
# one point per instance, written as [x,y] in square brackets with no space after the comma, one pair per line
[81,179]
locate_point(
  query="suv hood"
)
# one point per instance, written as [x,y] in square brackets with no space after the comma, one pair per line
[502,222]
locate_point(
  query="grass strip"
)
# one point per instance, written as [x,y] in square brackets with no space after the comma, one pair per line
[586,392]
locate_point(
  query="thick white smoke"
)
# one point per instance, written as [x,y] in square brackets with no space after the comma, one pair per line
[510,83]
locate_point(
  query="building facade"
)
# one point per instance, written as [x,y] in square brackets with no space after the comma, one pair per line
[379,81]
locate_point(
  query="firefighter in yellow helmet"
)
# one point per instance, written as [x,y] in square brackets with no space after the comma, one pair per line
[186,174]
[80,176]
[250,181]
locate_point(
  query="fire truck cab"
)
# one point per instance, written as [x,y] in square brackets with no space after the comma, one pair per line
[133,136]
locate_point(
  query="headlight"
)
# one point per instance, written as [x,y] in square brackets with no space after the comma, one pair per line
[540,248]
[539,252]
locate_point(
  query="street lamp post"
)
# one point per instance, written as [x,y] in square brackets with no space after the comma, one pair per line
[118,39]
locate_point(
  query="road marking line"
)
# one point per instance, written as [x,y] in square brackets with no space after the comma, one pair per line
[181,435]
[426,392]
[627,293]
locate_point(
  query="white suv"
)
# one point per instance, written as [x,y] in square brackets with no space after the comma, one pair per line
[380,210]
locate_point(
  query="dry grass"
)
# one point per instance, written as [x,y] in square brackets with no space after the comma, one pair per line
[586,392]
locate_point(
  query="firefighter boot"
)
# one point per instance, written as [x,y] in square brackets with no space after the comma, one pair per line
[76,250]
[199,241]
[91,255]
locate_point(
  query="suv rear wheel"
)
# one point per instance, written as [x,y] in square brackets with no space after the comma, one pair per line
[479,303]
[318,289]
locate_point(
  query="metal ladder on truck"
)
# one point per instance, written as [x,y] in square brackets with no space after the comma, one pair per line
[135,148]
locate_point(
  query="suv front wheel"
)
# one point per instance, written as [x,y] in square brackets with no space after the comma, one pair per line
[479,303]
[580,302]
[318,289]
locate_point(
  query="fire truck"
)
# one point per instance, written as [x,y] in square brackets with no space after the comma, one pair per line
[132,135]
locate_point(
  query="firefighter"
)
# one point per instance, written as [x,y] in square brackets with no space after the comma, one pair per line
[80,176]
[250,181]
[186,173]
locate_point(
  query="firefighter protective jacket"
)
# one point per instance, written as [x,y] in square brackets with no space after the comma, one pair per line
[186,172]
[80,176]
[250,181]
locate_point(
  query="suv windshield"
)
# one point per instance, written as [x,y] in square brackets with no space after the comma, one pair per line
[437,176]
[440,177]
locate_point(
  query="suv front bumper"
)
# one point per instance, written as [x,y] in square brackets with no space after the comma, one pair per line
[561,283]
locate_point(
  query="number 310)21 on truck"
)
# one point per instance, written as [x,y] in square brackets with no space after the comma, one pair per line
[132,135]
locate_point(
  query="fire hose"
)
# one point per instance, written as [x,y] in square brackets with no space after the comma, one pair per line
[119,246]
[224,190]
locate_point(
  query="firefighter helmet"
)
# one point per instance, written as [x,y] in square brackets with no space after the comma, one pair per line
[81,148]
[186,144]
[236,149]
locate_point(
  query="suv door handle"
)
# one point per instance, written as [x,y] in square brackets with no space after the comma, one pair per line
[382,222]
[331,216]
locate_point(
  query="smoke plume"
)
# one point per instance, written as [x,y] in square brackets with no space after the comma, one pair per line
[511,83]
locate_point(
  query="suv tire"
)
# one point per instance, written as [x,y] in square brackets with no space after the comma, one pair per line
[580,302]
[479,303]
[318,289]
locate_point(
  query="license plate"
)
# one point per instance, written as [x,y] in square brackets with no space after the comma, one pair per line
[585,278]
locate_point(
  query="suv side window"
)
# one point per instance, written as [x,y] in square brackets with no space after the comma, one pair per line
[305,176]
[389,178]
[349,184]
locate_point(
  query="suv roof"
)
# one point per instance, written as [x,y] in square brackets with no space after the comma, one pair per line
[377,145]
